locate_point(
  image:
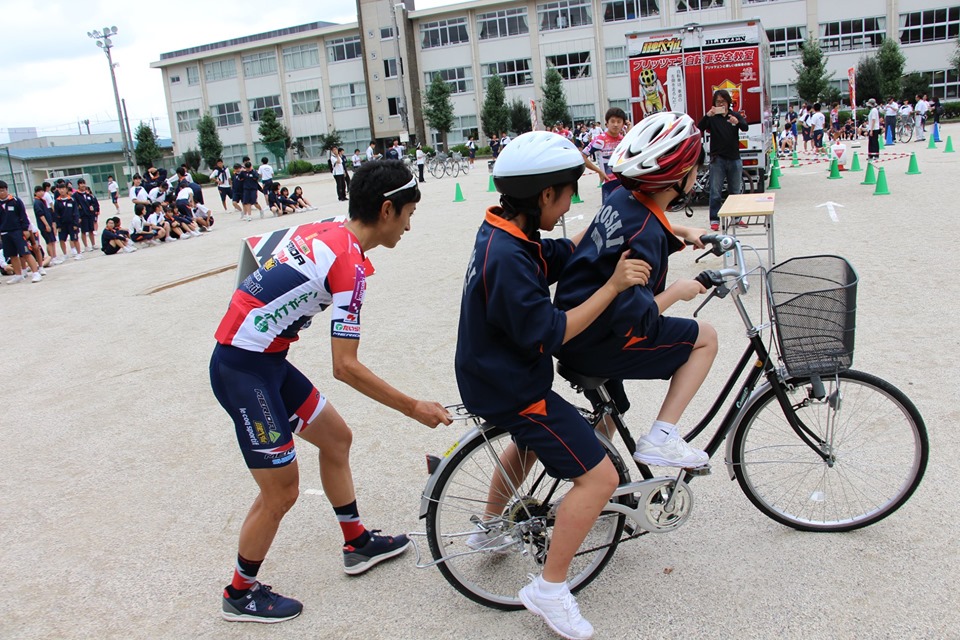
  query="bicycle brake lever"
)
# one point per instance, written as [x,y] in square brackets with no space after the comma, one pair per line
[713,292]
[703,255]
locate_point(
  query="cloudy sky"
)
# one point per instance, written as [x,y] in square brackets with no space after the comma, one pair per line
[54,75]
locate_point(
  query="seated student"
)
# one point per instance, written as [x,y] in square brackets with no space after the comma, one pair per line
[159,192]
[178,230]
[287,201]
[301,201]
[141,230]
[509,329]
[656,163]
[786,141]
[273,199]
[112,241]
[185,205]
[203,217]
[158,223]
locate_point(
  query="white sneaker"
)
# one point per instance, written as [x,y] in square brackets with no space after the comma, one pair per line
[15,279]
[129,249]
[78,257]
[185,236]
[195,234]
[560,612]
[170,239]
[56,261]
[672,452]
[491,541]
[42,271]
[36,278]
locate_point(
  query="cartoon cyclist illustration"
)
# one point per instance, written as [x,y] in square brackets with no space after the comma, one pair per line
[653,96]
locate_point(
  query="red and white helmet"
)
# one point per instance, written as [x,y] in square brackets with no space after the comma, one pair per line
[658,151]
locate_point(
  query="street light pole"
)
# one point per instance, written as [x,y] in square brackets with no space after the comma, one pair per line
[105,43]
[403,91]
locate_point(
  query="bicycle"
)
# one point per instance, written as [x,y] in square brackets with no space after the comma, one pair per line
[815,445]
[463,162]
[437,164]
[451,165]
[905,128]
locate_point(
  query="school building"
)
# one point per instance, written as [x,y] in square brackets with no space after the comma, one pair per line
[366,79]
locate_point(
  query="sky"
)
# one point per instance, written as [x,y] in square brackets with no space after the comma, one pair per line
[54,75]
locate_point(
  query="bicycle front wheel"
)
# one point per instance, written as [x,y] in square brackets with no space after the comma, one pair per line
[465,167]
[874,446]
[905,133]
[452,168]
[523,520]
[436,169]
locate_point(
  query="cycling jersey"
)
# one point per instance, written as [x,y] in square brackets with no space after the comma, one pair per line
[321,266]
[604,144]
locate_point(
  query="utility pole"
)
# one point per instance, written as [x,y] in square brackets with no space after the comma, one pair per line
[402,107]
[105,43]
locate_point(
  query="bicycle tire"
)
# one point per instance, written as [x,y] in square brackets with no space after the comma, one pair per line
[436,169]
[495,580]
[452,168]
[880,448]
[465,167]
[904,133]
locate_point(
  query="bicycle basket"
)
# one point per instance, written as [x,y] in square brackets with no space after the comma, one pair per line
[814,303]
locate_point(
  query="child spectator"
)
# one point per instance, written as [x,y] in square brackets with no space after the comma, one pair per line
[265,172]
[202,217]
[356,159]
[114,190]
[301,201]
[89,208]
[786,141]
[138,193]
[67,217]
[251,187]
[338,171]
[46,224]
[221,176]
[112,241]
[140,229]
[421,161]
[177,230]
[14,229]
[287,201]
[817,123]
[157,223]
[273,199]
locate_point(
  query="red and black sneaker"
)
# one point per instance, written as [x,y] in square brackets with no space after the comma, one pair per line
[356,560]
[260,604]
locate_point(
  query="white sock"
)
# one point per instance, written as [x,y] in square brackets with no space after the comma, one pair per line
[551,588]
[660,430]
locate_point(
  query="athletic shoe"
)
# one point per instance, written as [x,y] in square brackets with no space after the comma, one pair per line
[741,223]
[560,612]
[195,233]
[672,452]
[42,271]
[491,541]
[714,226]
[260,604]
[356,560]
[129,249]
[36,278]
[15,279]
[78,256]
[56,261]
[170,238]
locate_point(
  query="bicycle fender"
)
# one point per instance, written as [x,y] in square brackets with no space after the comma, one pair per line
[468,436]
[728,456]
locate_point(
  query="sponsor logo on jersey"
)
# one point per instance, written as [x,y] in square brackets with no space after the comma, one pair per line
[294,253]
[249,427]
[269,264]
[345,330]
[261,432]
[302,245]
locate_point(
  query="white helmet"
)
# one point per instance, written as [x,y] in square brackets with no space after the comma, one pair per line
[658,151]
[534,161]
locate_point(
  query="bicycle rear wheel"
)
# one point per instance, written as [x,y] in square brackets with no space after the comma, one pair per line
[905,132]
[527,520]
[876,457]
[464,167]
[436,169]
[452,168]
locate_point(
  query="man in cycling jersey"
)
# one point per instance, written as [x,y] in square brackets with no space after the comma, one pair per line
[604,143]
[323,266]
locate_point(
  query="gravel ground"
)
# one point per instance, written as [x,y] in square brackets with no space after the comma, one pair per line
[124,490]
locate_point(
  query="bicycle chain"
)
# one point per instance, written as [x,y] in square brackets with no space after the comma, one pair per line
[608,545]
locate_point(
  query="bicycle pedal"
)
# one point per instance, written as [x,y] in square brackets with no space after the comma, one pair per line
[698,471]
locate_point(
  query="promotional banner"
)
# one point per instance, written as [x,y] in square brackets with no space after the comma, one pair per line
[852,75]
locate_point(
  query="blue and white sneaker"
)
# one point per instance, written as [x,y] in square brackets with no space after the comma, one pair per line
[260,604]
[356,560]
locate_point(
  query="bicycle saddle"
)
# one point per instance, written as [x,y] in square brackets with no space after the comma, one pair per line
[585,382]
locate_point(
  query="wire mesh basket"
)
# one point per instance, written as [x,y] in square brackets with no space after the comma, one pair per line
[814,303]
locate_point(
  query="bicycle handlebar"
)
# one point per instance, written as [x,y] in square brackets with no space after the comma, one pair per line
[722,280]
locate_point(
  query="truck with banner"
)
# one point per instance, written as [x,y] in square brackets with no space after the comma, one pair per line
[678,69]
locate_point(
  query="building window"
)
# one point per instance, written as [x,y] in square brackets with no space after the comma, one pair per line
[352,139]
[583,113]
[227,114]
[393,106]
[944,84]
[621,104]
[187,120]
[851,35]
[463,127]
[259,105]
[174,79]
[304,102]
[564,14]
[386,33]
[233,154]
[619,10]
[348,96]
[696,5]
[259,64]
[193,75]
[514,73]
[616,61]
[390,68]
[220,70]
[459,79]
[782,96]
[503,23]
[571,65]
[444,32]
[786,41]
[930,26]
[302,56]
[341,49]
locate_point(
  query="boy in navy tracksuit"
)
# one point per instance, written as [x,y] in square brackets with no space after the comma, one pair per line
[46,223]
[89,208]
[14,229]
[67,216]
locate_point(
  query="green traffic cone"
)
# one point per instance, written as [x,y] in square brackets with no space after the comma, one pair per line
[576,199]
[880,142]
[795,162]
[914,169]
[774,179]
[492,186]
[459,195]
[881,189]
[949,147]
[835,170]
[932,144]
[855,166]
[871,178]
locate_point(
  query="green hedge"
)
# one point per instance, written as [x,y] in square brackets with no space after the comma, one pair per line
[200,178]
[299,167]
[321,168]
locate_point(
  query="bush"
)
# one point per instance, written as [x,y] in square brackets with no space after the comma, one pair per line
[461,148]
[484,151]
[299,167]
[200,178]
[427,149]
[321,168]
[950,110]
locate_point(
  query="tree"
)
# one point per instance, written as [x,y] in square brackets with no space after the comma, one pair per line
[812,78]
[495,116]
[915,84]
[868,79]
[191,158]
[438,108]
[831,94]
[146,151]
[555,107]
[891,62]
[274,135]
[211,147]
[330,140]
[520,116]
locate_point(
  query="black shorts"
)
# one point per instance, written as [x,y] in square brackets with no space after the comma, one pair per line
[48,236]
[86,224]
[250,196]
[225,192]
[114,196]
[67,231]
[14,246]
[818,138]
[141,237]
[109,249]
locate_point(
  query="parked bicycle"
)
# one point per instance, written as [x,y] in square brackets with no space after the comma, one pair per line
[441,165]
[812,443]
[905,126]
[463,162]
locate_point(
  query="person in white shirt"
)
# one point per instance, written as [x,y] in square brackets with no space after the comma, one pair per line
[138,194]
[504,140]
[158,192]
[114,190]
[873,130]
[141,230]
[905,109]
[890,111]
[222,176]
[421,160]
[786,140]
[339,174]
[266,175]
[156,221]
[817,121]
[371,153]
[471,149]
[920,118]
[356,159]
